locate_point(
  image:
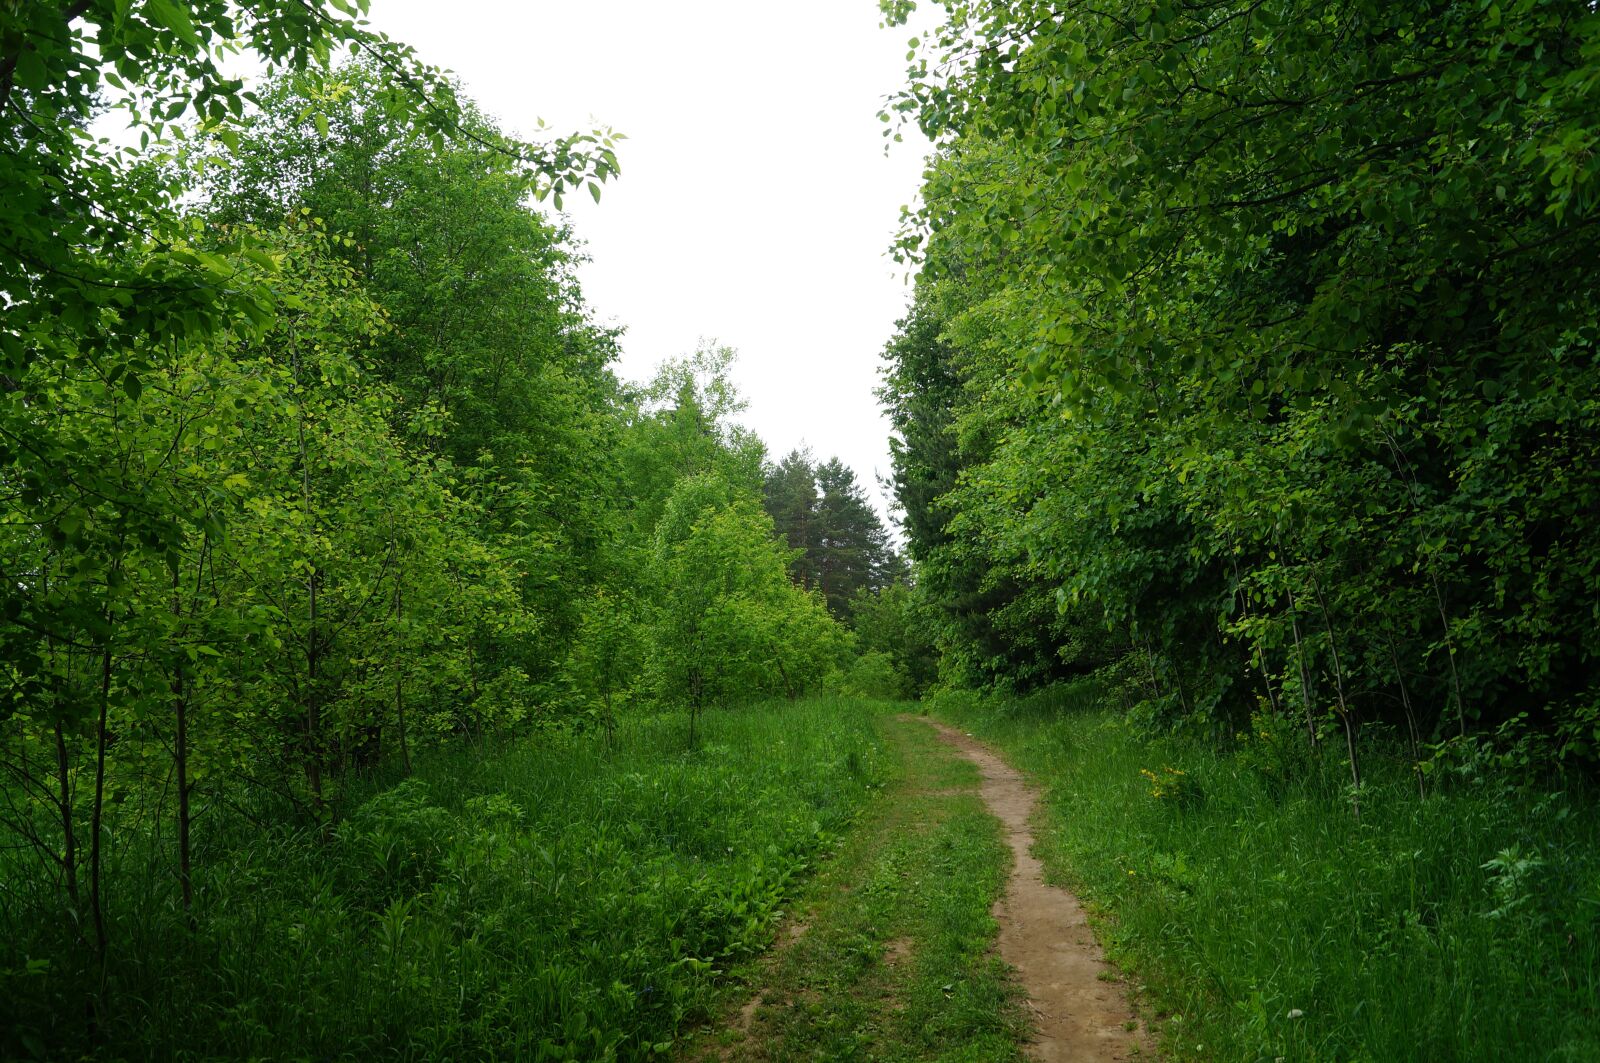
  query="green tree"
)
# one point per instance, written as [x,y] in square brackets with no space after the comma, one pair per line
[681,424]
[839,545]
[498,369]
[729,623]
[790,498]
[894,623]
[853,549]
[607,655]
[100,265]
[994,619]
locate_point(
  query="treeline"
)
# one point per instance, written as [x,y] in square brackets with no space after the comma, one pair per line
[1254,358]
[311,457]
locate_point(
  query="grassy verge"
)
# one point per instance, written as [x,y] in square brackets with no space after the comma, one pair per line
[1267,924]
[555,900]
[892,955]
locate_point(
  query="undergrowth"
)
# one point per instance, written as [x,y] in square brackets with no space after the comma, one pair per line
[1267,923]
[553,900]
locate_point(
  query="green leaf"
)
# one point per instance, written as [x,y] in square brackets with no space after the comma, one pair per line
[172,16]
[30,71]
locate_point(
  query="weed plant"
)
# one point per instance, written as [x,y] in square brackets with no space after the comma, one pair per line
[1268,923]
[557,899]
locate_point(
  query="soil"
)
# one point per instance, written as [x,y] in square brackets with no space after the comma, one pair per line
[1080,1008]
[793,929]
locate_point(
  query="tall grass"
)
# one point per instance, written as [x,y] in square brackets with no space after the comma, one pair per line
[1267,923]
[556,900]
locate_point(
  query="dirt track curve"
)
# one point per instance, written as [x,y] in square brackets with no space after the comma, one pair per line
[1080,1011]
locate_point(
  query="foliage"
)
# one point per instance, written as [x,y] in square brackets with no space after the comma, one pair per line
[1175,787]
[1254,345]
[789,495]
[992,618]
[102,272]
[893,622]
[873,674]
[499,372]
[607,655]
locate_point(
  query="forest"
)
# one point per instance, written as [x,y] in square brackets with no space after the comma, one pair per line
[383,675]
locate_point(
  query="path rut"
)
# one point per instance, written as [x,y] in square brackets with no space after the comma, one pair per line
[1081,1013]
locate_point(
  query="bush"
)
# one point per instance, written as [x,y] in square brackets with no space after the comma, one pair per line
[872,675]
[393,844]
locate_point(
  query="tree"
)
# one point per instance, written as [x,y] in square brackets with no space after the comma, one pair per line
[99,266]
[212,517]
[895,624]
[498,370]
[790,498]
[840,546]
[681,425]
[607,654]
[853,550]
[996,621]
[729,624]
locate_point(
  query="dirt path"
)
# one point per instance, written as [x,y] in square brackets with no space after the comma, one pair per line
[888,952]
[1080,1010]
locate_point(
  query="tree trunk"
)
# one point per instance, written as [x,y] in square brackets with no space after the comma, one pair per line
[69,839]
[399,685]
[1450,653]
[97,808]
[788,684]
[1411,720]
[180,750]
[1402,465]
[312,719]
[313,707]
[1305,673]
[1260,650]
[696,688]
[1344,708]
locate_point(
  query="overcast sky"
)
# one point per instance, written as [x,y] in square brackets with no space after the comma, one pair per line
[756,202]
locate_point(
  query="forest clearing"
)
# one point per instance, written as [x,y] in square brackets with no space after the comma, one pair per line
[390,669]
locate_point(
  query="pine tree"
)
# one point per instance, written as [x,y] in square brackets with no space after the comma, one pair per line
[791,499]
[821,511]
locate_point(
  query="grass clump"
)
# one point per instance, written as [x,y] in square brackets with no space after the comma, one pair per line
[1267,922]
[554,900]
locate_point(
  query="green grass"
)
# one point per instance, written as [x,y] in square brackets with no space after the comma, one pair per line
[553,900]
[894,958]
[1461,927]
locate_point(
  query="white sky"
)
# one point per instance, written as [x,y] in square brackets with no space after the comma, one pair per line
[756,203]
